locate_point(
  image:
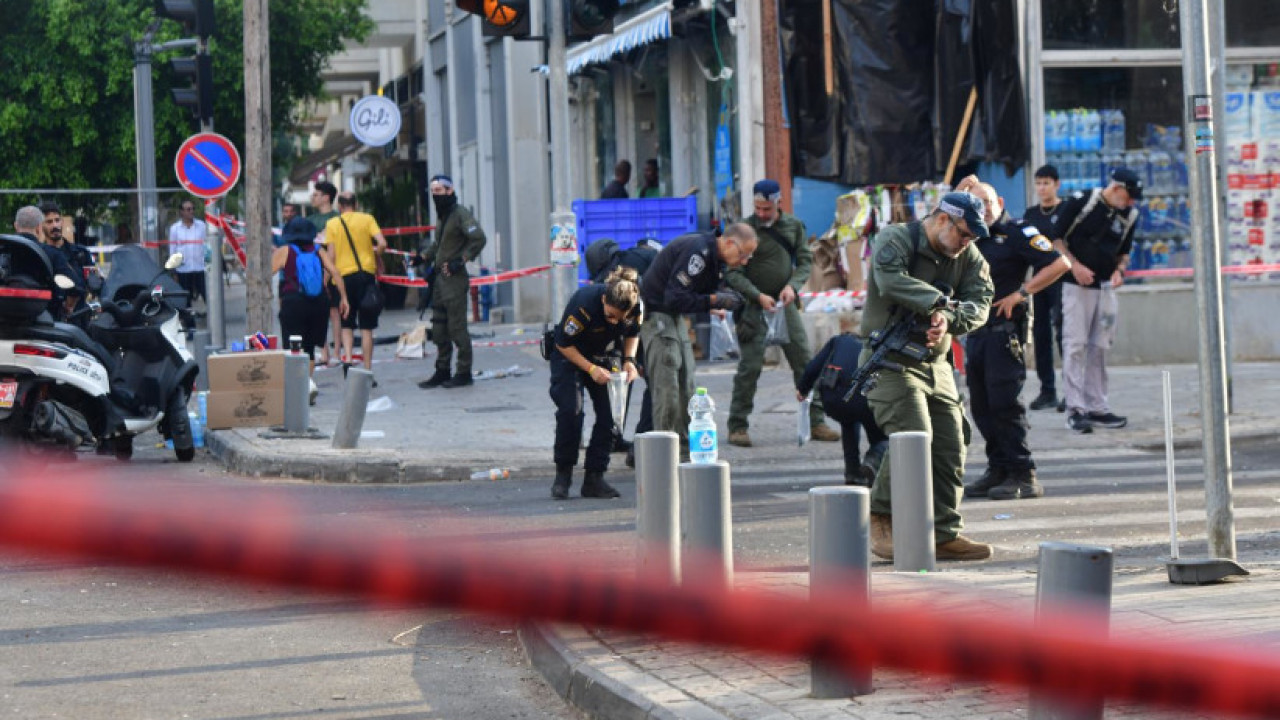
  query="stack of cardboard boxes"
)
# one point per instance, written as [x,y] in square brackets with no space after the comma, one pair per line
[246,389]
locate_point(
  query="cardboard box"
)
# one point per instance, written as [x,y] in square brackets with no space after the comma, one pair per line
[248,408]
[238,372]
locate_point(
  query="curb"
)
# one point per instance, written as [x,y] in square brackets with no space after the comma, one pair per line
[585,686]
[240,456]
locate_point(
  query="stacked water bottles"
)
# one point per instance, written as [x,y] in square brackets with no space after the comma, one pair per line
[1086,145]
[1253,176]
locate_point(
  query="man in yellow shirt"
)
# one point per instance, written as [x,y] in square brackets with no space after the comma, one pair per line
[358,245]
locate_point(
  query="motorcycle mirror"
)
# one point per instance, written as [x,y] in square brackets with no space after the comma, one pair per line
[64,282]
[174,261]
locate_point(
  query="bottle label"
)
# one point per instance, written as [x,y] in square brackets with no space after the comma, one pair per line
[702,440]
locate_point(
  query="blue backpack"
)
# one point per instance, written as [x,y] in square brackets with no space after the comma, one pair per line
[309,270]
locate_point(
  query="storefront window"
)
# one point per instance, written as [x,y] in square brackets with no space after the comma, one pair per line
[1149,24]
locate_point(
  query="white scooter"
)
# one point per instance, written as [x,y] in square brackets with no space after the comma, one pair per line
[61,387]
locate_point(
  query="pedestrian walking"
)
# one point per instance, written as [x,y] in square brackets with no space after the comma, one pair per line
[358,245]
[995,361]
[908,264]
[322,197]
[187,236]
[770,284]
[458,240]
[685,278]
[596,317]
[304,270]
[1098,235]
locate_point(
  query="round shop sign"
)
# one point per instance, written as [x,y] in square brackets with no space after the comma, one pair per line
[375,120]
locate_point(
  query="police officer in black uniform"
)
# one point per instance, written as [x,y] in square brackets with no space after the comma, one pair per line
[994,361]
[831,372]
[596,317]
[602,258]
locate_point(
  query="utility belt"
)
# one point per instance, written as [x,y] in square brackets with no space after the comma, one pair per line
[1010,327]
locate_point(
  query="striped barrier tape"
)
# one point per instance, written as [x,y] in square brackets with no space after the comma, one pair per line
[404,281]
[260,536]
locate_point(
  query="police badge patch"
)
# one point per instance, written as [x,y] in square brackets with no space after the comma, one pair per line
[696,265]
[572,326]
[1038,241]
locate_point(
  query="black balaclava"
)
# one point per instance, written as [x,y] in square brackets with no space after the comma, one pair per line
[444,205]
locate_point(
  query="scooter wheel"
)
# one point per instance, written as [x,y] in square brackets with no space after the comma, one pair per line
[124,448]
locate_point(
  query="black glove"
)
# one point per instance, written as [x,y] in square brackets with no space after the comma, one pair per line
[457,267]
[726,299]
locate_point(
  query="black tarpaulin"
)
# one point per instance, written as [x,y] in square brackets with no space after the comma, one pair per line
[815,116]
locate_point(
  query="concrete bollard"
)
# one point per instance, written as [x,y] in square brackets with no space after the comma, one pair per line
[706,527]
[297,393]
[839,569]
[1076,579]
[355,399]
[200,341]
[911,468]
[658,506]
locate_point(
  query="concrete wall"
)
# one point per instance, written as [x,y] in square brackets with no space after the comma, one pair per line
[1159,323]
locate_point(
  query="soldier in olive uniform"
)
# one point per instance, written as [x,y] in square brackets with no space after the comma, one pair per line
[458,241]
[768,284]
[909,262]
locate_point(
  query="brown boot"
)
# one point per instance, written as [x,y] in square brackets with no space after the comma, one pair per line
[962,548]
[882,536]
[823,433]
[740,438]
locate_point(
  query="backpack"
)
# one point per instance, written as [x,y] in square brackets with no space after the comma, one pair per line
[310,272]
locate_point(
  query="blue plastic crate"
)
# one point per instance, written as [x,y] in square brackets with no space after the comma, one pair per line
[630,221]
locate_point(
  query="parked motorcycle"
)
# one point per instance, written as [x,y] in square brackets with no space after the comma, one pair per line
[63,387]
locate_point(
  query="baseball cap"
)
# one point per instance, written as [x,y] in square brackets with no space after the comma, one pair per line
[1130,180]
[967,207]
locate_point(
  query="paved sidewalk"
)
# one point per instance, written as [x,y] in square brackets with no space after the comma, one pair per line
[428,435]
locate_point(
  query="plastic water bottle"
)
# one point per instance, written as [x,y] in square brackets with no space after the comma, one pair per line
[702,428]
[491,474]
[1091,133]
[197,429]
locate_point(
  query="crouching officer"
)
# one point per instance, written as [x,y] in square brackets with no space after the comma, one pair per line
[995,363]
[596,317]
[831,373]
[908,264]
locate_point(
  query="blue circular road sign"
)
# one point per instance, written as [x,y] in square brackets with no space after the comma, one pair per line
[207,165]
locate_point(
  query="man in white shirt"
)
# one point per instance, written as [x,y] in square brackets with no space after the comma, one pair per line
[187,236]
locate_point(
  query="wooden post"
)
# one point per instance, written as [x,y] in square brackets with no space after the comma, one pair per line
[777,137]
[964,130]
[257,165]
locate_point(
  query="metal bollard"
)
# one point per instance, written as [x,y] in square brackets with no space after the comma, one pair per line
[658,506]
[839,569]
[297,393]
[1074,578]
[355,399]
[706,528]
[911,469]
[200,341]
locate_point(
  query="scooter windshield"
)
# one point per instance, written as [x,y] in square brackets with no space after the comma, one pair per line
[133,269]
[23,258]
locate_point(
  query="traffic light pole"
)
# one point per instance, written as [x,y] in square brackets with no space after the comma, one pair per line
[144,139]
[564,263]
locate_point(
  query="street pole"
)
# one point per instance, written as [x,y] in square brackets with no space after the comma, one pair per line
[1218,78]
[1215,427]
[564,248]
[257,165]
[215,312]
[144,139]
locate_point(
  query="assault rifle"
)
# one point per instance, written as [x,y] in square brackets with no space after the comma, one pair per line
[901,337]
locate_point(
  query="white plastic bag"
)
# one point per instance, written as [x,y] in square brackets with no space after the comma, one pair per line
[412,344]
[776,327]
[803,430]
[618,398]
[724,340]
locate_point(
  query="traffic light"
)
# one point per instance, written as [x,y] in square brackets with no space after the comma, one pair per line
[198,97]
[195,15]
[500,18]
[588,18]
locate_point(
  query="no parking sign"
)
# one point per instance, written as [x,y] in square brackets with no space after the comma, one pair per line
[207,165]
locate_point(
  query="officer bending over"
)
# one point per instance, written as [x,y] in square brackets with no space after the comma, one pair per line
[908,263]
[596,317]
[831,372]
[995,364]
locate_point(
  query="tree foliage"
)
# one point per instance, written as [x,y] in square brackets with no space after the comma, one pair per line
[67,118]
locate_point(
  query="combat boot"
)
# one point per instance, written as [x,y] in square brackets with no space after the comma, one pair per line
[564,478]
[441,377]
[962,548]
[1018,485]
[594,486]
[740,438]
[882,536]
[822,433]
[993,478]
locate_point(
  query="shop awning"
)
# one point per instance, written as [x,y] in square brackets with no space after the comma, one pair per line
[649,26]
